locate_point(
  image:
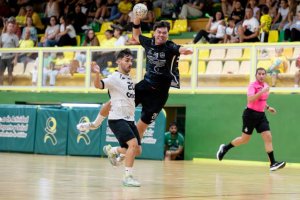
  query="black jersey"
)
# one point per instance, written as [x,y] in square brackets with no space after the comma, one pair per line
[161,63]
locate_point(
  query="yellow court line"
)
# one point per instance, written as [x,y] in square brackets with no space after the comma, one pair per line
[240,162]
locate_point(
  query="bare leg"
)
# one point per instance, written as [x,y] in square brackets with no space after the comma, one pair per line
[267,137]
[141,126]
[243,139]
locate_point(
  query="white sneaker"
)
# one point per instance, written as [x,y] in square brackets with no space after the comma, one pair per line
[129,181]
[111,156]
[86,126]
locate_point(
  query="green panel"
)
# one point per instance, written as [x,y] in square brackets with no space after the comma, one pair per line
[153,141]
[51,131]
[87,142]
[17,128]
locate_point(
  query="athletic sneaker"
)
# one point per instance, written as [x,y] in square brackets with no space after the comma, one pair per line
[111,156]
[86,126]
[277,165]
[129,181]
[120,160]
[221,152]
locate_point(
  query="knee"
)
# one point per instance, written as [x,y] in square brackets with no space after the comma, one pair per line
[138,150]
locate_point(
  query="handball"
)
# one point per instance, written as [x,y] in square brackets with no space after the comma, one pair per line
[140,10]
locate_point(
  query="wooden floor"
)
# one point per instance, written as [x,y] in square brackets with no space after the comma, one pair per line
[28,176]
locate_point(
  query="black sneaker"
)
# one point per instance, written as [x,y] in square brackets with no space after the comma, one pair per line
[221,152]
[277,165]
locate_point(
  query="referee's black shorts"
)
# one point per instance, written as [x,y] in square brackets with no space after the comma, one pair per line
[151,99]
[253,119]
[124,131]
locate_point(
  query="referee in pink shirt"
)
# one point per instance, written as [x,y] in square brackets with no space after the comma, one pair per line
[254,117]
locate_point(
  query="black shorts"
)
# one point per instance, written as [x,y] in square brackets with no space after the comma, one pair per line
[124,131]
[6,63]
[151,99]
[253,119]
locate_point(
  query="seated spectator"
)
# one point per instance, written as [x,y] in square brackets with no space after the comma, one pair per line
[52,9]
[256,11]
[265,24]
[174,142]
[97,11]
[67,34]
[47,59]
[168,9]
[226,8]
[79,19]
[279,65]
[35,19]
[21,17]
[249,30]
[26,42]
[193,9]
[51,32]
[297,73]
[211,28]
[124,7]
[32,30]
[293,32]
[238,12]
[51,71]
[282,14]
[8,40]
[231,32]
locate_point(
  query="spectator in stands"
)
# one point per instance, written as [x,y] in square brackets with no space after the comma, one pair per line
[124,7]
[110,9]
[279,65]
[79,19]
[29,27]
[174,143]
[67,34]
[211,28]
[26,42]
[4,11]
[47,58]
[249,30]
[193,9]
[272,8]
[293,32]
[291,15]
[97,11]
[265,24]
[231,32]
[16,29]
[8,40]
[35,19]
[148,21]
[168,9]
[21,17]
[238,11]
[220,34]
[282,14]
[52,9]
[256,11]
[226,7]
[297,73]
[51,32]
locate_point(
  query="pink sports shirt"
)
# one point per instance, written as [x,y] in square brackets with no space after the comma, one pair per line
[259,104]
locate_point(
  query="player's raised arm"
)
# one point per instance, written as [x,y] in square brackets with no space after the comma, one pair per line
[185,51]
[139,12]
[97,82]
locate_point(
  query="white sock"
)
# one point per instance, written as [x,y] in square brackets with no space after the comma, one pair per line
[128,171]
[98,121]
[114,150]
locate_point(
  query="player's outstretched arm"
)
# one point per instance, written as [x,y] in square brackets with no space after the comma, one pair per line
[136,29]
[185,51]
[97,82]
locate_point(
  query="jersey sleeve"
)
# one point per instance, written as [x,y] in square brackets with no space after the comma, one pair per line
[174,48]
[144,41]
[108,82]
[251,90]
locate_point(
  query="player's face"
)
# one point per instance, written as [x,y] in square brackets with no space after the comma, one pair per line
[161,35]
[261,75]
[173,129]
[125,64]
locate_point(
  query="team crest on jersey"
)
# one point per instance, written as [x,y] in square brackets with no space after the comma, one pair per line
[246,130]
[162,55]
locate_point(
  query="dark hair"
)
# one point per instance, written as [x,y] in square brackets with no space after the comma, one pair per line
[260,69]
[214,17]
[87,39]
[265,10]
[172,124]
[124,53]
[110,31]
[54,17]
[161,24]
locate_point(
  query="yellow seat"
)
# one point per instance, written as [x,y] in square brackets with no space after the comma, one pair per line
[157,12]
[214,67]
[184,67]
[101,38]
[273,36]
[68,56]
[288,52]
[233,54]
[201,67]
[245,67]
[264,64]
[203,54]
[105,26]
[246,54]
[217,54]
[231,67]
[180,25]
[78,40]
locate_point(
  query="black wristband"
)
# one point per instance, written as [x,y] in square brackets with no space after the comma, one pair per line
[136,26]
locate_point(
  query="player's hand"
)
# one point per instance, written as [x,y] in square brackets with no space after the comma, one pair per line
[95,67]
[186,51]
[272,110]
[265,89]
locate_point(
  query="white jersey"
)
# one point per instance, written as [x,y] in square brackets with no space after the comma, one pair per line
[121,90]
